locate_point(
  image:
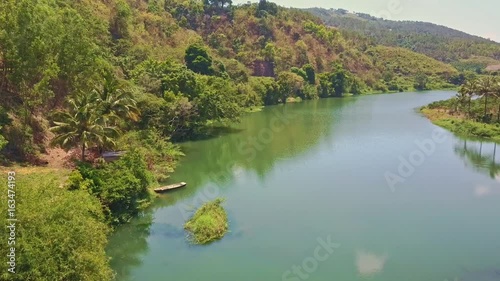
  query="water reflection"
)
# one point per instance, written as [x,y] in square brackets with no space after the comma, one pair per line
[490,274]
[369,264]
[126,257]
[264,138]
[275,134]
[481,156]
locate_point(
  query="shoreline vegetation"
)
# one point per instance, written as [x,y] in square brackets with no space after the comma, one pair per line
[474,112]
[208,224]
[462,127]
[84,77]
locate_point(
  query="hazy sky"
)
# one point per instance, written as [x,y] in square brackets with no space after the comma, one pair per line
[480,17]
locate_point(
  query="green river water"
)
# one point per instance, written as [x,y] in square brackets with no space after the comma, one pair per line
[308,198]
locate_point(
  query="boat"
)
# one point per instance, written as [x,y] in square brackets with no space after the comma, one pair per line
[170,187]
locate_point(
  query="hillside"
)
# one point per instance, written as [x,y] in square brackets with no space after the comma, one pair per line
[85,77]
[442,43]
[175,58]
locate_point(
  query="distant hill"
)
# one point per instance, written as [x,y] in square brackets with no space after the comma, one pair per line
[442,43]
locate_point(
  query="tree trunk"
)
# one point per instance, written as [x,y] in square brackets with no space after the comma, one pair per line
[469,106]
[498,113]
[485,103]
[494,152]
[83,152]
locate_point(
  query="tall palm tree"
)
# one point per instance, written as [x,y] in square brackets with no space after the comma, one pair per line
[115,103]
[496,93]
[468,90]
[485,89]
[461,98]
[82,125]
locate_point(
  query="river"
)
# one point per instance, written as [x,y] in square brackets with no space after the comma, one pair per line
[358,188]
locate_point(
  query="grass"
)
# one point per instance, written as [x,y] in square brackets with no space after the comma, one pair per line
[293,99]
[461,126]
[208,224]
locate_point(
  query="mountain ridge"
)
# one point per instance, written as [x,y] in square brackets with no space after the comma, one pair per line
[438,41]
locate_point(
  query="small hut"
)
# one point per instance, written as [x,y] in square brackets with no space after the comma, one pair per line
[110,156]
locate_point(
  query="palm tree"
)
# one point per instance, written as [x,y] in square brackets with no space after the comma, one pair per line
[496,93]
[468,90]
[461,98]
[115,103]
[82,125]
[485,89]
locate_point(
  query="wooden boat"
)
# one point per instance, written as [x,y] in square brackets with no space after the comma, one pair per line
[170,187]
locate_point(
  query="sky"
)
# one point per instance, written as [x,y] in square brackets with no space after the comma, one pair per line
[480,17]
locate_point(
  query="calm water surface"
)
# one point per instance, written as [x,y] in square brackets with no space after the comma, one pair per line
[303,173]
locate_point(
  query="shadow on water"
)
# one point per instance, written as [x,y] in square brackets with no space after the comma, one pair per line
[215,132]
[128,243]
[275,134]
[482,156]
[254,145]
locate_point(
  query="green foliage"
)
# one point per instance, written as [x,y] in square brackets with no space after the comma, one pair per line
[158,77]
[62,235]
[187,13]
[289,85]
[159,154]
[51,51]
[335,83]
[3,141]
[218,100]
[310,74]
[466,116]
[300,72]
[208,224]
[43,42]
[266,88]
[237,71]
[320,31]
[310,92]
[439,42]
[469,128]
[399,61]
[198,60]
[357,86]
[83,125]
[217,5]
[121,186]
[248,97]
[48,49]
[119,26]
[421,81]
[266,8]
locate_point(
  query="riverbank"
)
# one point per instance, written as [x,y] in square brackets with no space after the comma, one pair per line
[460,126]
[279,200]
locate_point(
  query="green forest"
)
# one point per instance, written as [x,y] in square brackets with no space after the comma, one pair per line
[78,78]
[464,51]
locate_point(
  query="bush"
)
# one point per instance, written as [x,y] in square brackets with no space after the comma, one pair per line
[208,224]
[266,88]
[61,236]
[3,142]
[122,186]
[159,154]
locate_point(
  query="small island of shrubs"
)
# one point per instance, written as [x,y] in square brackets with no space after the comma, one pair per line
[209,223]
